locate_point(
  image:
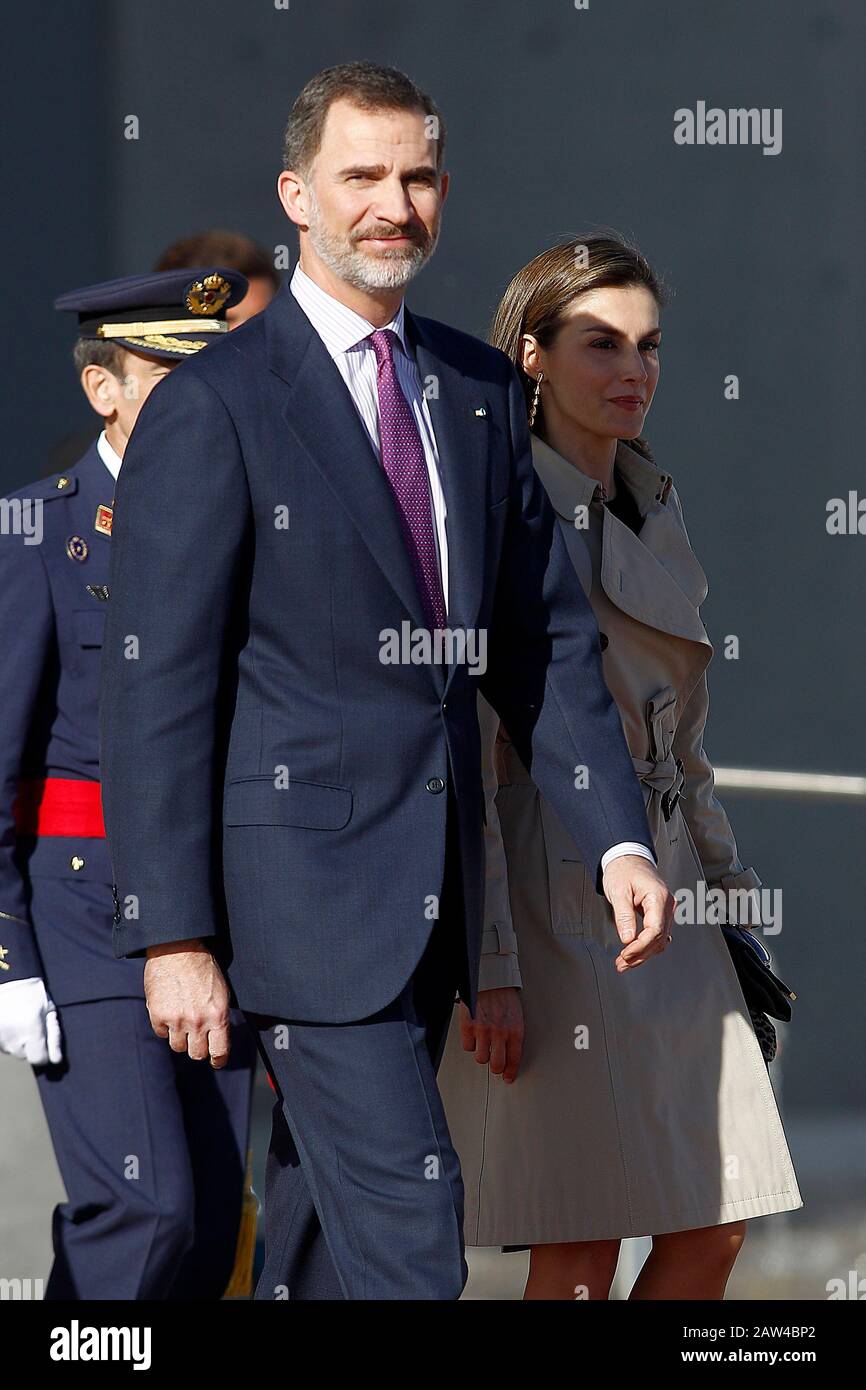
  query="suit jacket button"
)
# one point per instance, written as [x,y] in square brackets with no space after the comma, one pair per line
[435,784]
[603,641]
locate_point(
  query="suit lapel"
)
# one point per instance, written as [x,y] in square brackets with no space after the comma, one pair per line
[462,445]
[95,488]
[321,416]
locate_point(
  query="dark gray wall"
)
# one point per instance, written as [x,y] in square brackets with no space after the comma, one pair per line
[559,120]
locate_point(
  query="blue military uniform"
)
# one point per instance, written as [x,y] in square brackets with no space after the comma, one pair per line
[151,1146]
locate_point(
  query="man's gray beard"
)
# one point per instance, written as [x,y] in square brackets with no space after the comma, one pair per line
[390,270]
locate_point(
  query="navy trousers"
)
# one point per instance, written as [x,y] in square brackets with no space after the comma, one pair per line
[363,1193]
[152,1150]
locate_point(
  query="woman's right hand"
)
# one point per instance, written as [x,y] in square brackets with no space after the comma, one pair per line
[495,1034]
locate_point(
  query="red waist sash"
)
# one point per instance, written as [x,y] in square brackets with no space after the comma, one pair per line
[60,806]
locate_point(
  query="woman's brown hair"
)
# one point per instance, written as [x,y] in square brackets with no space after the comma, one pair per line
[538,298]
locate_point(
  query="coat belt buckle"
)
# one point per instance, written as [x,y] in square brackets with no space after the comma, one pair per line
[674,791]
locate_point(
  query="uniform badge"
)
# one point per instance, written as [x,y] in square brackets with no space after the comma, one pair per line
[104,516]
[208,296]
[76,548]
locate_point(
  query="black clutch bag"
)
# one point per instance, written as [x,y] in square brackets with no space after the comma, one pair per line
[766,995]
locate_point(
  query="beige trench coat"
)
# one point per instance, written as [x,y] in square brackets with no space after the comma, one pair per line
[643,1104]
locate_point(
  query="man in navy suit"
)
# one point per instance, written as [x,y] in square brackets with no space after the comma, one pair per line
[151,1149]
[355,544]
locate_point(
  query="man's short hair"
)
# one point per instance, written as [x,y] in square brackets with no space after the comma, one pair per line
[367,85]
[93,352]
[230,249]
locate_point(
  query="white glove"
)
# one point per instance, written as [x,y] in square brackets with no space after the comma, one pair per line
[29,1026]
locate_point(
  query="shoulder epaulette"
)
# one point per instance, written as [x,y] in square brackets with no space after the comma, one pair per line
[55,485]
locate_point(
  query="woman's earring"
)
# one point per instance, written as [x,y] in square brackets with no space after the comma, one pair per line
[533,409]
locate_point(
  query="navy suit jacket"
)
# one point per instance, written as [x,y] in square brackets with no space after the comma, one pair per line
[268,781]
[55,890]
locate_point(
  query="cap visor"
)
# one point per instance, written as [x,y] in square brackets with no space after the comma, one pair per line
[172,347]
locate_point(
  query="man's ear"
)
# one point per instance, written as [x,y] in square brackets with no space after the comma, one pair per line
[101,388]
[294,197]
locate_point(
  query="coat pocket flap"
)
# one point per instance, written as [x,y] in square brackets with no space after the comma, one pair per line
[73,857]
[90,626]
[260,801]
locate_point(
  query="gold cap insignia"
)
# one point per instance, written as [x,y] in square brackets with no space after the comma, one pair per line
[76,548]
[208,296]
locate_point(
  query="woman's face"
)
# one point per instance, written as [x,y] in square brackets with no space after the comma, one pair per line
[601,371]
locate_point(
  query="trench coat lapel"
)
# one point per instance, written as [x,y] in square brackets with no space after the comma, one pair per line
[654,577]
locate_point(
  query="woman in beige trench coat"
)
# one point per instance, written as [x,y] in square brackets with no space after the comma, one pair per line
[642,1104]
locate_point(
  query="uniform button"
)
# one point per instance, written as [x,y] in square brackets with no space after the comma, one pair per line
[76,862]
[604,641]
[435,784]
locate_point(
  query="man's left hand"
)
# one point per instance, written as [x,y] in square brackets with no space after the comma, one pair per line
[633,886]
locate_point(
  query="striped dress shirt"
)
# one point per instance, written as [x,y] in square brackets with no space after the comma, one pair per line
[343,332]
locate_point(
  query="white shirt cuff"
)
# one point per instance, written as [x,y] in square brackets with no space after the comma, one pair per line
[627,847]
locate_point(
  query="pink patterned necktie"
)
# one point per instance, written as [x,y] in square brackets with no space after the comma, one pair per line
[406,469]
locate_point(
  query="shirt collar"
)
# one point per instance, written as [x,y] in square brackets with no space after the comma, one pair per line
[109,456]
[338,326]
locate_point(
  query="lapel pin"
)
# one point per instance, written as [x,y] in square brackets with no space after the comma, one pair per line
[479,410]
[104,515]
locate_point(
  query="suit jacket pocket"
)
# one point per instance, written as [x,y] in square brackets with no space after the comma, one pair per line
[312,805]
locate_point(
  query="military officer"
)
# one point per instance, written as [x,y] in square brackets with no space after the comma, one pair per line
[150,1145]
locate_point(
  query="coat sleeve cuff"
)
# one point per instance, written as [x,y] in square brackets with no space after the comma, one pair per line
[19,954]
[500,967]
[742,897]
[129,940]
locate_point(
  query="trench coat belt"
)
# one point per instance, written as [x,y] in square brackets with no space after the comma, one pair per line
[665,776]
